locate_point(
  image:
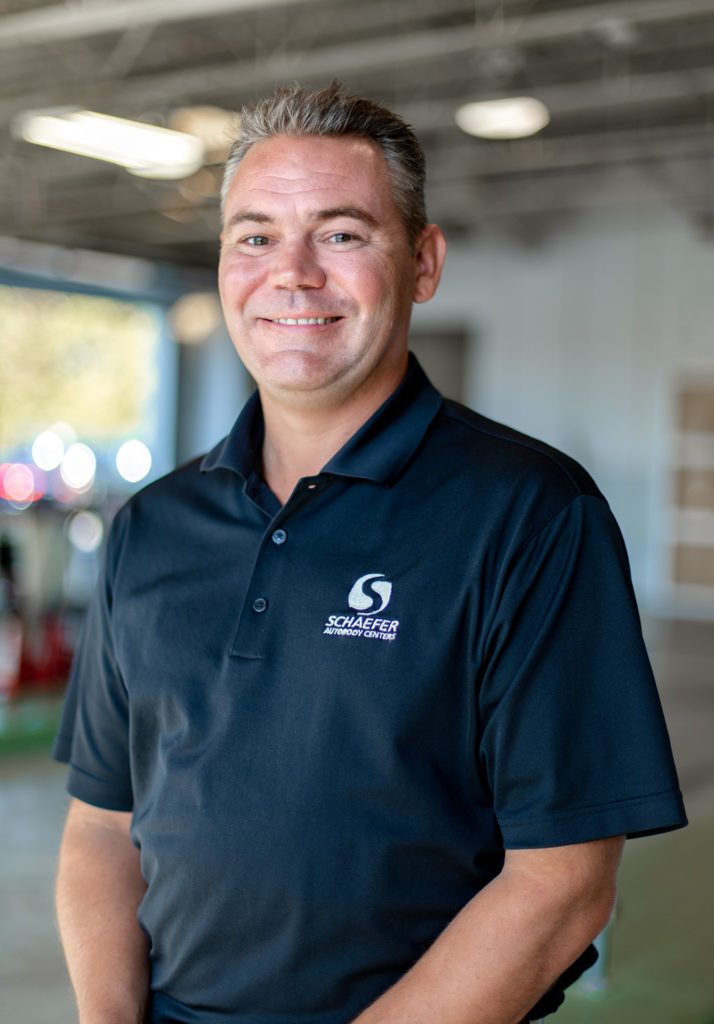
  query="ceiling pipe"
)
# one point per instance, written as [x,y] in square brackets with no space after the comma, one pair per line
[74,20]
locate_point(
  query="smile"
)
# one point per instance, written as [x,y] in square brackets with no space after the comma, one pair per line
[305,321]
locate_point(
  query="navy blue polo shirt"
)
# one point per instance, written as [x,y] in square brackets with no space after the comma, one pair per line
[331,718]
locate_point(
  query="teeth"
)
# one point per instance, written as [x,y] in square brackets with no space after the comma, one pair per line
[303,321]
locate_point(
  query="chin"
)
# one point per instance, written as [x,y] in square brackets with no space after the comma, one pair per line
[301,370]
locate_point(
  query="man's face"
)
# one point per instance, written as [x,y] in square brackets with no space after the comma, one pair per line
[316,274]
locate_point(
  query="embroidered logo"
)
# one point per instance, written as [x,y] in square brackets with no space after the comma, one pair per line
[367,593]
[369,596]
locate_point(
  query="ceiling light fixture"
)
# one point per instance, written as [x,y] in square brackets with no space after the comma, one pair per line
[512,118]
[143,149]
[216,128]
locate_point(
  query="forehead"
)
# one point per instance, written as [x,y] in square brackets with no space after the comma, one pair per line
[309,169]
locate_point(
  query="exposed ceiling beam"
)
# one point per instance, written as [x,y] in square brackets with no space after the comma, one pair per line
[74,20]
[388,50]
[530,156]
[83,205]
[78,202]
[569,192]
[609,94]
[328,61]
[624,91]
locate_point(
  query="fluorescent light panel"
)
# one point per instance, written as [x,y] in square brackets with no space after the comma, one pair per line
[143,149]
[512,118]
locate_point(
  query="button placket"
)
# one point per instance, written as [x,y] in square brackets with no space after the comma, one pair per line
[254,625]
[260,603]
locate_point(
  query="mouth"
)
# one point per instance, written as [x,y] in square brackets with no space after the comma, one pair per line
[302,321]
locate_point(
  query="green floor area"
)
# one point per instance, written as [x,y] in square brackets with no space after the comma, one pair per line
[660,959]
[29,723]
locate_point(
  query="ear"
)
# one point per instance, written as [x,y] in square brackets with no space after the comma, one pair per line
[428,261]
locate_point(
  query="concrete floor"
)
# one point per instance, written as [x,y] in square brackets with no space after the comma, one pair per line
[661,962]
[33,981]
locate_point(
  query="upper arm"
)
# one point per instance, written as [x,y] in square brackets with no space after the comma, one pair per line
[83,816]
[97,844]
[581,874]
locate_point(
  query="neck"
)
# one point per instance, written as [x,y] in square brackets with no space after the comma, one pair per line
[294,448]
[299,441]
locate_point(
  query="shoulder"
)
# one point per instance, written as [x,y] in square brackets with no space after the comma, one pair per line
[498,485]
[159,514]
[180,484]
[494,449]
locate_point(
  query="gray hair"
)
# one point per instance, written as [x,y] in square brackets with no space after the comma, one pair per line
[298,111]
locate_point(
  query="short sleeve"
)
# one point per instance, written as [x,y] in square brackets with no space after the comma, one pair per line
[93,733]
[572,737]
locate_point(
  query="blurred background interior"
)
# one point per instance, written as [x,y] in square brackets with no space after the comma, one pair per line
[577,305]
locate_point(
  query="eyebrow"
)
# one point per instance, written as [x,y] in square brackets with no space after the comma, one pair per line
[353,212]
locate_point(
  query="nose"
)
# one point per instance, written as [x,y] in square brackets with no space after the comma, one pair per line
[295,266]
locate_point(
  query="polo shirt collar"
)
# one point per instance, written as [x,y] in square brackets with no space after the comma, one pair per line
[378,451]
[241,450]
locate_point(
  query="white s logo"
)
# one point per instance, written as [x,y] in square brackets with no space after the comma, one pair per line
[368,591]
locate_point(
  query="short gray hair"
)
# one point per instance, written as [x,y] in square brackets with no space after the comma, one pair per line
[298,111]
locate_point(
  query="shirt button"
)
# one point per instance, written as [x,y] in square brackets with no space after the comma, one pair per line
[260,604]
[279,537]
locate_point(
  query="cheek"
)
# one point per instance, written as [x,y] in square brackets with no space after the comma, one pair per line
[373,286]
[237,280]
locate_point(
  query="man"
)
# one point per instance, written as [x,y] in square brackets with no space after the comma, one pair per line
[361,712]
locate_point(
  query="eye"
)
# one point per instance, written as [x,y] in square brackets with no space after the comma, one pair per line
[343,238]
[255,241]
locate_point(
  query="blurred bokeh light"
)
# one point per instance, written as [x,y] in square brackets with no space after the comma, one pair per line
[133,461]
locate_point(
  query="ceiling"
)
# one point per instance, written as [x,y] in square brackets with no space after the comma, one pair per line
[630,87]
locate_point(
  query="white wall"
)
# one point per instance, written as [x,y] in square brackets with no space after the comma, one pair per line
[582,341]
[213,387]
